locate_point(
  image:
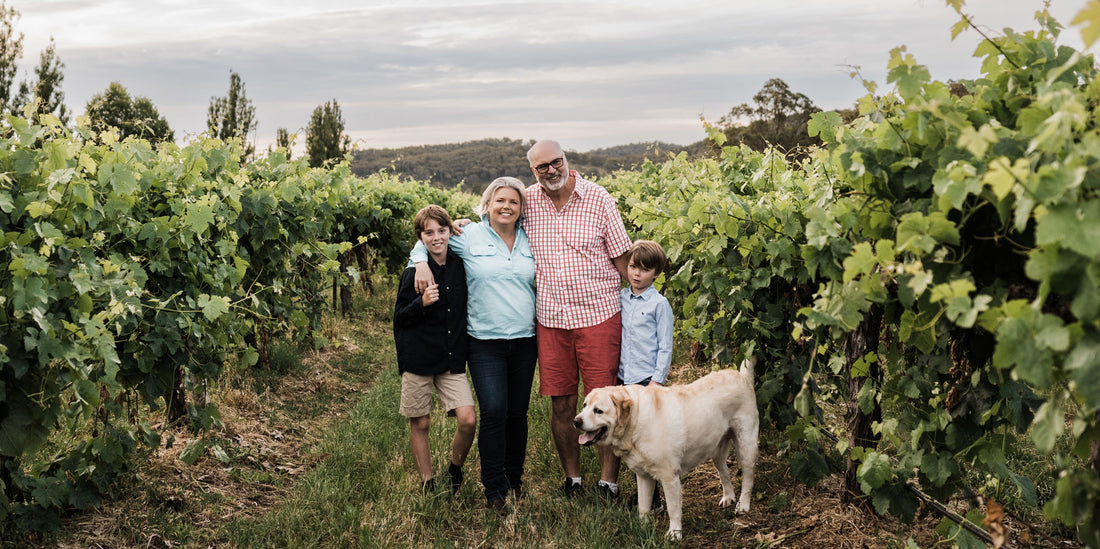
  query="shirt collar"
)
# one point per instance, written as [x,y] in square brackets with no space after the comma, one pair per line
[646,295]
[450,257]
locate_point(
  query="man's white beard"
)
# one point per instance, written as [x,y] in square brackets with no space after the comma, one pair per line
[556,186]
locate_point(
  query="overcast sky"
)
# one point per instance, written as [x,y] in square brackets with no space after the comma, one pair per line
[590,73]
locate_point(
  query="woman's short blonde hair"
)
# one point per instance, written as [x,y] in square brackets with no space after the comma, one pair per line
[496,185]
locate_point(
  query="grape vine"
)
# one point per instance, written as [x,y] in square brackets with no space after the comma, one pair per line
[933,268]
[134,275]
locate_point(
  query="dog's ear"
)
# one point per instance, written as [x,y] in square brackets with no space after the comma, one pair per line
[624,407]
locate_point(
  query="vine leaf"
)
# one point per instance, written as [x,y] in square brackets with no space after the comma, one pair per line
[1089,18]
[874,471]
[1083,364]
[193,451]
[213,306]
[1048,424]
[1075,229]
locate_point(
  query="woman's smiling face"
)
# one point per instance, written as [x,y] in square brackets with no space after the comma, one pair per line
[505,207]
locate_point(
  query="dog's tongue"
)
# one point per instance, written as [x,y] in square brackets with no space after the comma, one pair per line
[587,438]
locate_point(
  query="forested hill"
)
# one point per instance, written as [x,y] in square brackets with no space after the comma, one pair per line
[479,162]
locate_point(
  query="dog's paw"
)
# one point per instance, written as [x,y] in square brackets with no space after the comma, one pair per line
[674,535]
[725,501]
[742,507]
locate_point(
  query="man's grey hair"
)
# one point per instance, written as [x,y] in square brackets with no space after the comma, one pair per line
[530,152]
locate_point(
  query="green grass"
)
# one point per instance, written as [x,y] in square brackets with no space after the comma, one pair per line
[365,493]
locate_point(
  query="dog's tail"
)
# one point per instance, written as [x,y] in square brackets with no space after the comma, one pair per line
[747,367]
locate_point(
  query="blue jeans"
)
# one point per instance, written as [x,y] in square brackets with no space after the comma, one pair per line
[502,371]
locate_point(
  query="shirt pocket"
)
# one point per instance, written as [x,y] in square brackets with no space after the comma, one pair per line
[524,267]
[482,262]
[583,238]
[482,250]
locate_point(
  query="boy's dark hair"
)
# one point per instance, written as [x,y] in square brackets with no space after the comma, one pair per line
[648,254]
[431,212]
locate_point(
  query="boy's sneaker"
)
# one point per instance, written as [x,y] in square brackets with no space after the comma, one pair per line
[570,489]
[455,474]
[497,506]
[429,485]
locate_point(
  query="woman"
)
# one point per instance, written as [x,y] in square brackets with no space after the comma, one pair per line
[500,274]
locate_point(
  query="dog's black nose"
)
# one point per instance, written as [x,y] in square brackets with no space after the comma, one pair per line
[577,423]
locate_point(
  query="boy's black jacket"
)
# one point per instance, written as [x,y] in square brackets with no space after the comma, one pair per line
[432,340]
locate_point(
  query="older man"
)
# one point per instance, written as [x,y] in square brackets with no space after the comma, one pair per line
[579,243]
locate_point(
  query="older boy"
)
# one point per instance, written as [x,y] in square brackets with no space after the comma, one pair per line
[429,330]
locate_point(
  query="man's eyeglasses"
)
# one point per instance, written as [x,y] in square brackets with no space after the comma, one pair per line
[555,163]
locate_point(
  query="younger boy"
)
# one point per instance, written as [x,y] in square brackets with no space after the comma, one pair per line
[646,353]
[647,319]
[429,330]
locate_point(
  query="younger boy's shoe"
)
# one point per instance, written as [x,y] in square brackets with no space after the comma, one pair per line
[429,485]
[606,493]
[570,489]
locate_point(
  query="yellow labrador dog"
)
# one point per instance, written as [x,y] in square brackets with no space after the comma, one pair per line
[664,432]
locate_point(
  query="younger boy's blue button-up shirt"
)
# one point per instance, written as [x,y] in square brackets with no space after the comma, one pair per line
[647,336]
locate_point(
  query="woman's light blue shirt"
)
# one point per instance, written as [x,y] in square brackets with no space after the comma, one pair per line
[501,283]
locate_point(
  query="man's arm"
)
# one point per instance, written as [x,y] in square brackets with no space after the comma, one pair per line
[620,264]
[615,236]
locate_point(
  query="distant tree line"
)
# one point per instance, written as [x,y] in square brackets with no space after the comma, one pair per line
[476,163]
[776,118]
[131,116]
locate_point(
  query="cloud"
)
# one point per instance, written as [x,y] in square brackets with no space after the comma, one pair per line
[415,71]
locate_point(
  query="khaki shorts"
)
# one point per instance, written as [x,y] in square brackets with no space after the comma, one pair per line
[416,393]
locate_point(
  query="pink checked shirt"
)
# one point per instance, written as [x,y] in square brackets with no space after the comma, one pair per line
[576,283]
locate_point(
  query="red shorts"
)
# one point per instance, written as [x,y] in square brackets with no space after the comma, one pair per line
[592,352]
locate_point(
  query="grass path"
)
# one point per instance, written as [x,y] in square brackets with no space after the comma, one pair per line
[363,490]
